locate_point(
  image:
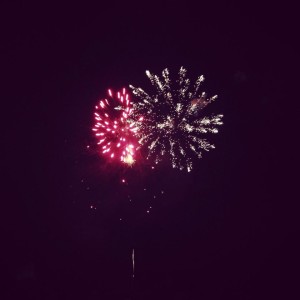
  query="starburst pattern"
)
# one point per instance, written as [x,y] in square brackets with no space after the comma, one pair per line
[114,129]
[173,125]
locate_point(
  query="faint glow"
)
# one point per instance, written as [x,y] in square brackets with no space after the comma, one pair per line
[174,123]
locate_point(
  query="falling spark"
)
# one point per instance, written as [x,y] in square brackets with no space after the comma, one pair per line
[173,125]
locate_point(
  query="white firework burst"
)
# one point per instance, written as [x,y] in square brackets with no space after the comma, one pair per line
[172,124]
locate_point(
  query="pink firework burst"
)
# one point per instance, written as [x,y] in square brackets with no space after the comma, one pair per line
[114,128]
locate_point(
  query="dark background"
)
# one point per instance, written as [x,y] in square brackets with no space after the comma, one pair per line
[227,230]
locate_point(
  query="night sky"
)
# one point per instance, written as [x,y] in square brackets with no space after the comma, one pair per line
[227,230]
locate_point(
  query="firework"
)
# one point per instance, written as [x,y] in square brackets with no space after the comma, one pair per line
[114,129]
[173,125]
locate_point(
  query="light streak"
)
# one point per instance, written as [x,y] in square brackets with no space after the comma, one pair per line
[132,258]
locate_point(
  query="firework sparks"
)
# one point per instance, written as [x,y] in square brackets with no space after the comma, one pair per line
[173,124]
[114,129]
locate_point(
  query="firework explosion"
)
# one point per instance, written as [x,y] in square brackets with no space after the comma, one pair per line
[173,124]
[115,131]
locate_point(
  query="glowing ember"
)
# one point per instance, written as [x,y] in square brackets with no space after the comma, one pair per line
[114,129]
